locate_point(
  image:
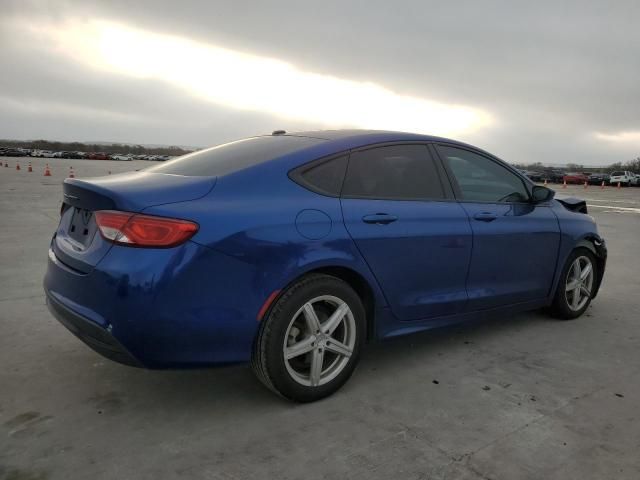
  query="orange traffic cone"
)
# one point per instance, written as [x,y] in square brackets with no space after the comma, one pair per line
[602,186]
[545,182]
[17,165]
[71,174]
[47,172]
[564,184]
[585,184]
[618,184]
[30,168]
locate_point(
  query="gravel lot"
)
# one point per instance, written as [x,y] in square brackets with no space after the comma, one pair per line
[510,398]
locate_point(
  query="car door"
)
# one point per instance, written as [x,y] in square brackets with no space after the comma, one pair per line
[515,242]
[413,235]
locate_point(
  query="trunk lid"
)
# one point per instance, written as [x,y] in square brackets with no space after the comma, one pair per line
[77,242]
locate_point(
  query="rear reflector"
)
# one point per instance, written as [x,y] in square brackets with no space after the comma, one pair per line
[267,303]
[133,230]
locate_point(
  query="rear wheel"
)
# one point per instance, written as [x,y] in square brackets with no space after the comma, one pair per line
[310,342]
[576,284]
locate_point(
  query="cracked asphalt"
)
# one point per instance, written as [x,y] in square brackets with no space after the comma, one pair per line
[524,397]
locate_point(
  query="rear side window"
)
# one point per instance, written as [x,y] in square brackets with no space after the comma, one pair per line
[234,156]
[323,177]
[617,174]
[397,172]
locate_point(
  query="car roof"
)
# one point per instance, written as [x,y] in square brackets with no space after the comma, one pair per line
[370,136]
[336,141]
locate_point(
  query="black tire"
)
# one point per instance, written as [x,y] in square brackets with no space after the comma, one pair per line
[560,307]
[268,362]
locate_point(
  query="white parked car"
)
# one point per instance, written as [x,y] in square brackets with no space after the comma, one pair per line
[624,178]
[123,158]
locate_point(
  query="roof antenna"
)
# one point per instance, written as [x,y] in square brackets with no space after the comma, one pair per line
[278,132]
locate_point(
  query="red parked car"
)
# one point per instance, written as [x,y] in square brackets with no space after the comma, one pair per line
[578,178]
[98,156]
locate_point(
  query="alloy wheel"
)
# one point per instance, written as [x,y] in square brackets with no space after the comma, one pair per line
[579,283]
[319,341]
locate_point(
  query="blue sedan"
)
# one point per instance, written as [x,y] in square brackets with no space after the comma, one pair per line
[292,250]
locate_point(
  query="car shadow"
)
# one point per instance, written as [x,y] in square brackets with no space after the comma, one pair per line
[234,388]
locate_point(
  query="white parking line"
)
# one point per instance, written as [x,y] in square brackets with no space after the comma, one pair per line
[613,208]
[608,200]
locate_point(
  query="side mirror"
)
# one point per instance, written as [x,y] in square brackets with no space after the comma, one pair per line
[541,194]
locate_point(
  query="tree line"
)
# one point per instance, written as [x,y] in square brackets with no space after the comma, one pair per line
[87,147]
[631,166]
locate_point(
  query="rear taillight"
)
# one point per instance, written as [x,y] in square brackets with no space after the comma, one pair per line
[131,229]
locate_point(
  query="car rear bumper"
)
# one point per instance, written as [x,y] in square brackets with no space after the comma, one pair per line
[95,336]
[188,306]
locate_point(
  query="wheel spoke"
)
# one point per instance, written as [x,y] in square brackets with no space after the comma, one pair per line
[585,272]
[300,348]
[575,301]
[330,325]
[572,285]
[313,324]
[317,359]
[577,269]
[585,291]
[339,348]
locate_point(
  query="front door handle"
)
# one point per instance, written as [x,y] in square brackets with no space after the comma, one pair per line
[379,218]
[485,216]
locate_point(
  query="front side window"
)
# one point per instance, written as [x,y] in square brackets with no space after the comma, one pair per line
[481,179]
[396,172]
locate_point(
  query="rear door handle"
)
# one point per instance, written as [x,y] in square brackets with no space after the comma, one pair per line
[379,218]
[485,216]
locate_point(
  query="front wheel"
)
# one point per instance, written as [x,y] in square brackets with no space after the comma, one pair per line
[310,342]
[575,288]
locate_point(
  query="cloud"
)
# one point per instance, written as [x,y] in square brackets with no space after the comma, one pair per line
[249,82]
[551,76]
[631,137]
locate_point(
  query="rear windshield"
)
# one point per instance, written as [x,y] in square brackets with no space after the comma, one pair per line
[234,156]
[617,174]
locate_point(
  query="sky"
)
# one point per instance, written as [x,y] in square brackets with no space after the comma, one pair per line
[546,81]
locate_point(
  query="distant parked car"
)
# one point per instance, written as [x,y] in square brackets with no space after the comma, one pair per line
[99,156]
[13,152]
[533,176]
[637,184]
[624,178]
[41,153]
[121,157]
[577,178]
[598,178]
[554,176]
